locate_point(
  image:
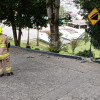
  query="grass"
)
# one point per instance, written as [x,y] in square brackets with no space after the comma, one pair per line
[42,45]
[81,48]
[66,50]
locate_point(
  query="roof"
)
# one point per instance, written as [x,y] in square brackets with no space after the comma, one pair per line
[72,14]
[45,31]
[79,22]
[70,30]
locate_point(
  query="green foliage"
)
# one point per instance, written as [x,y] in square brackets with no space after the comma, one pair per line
[96,36]
[88,6]
[64,48]
[62,11]
[37,49]
[21,14]
[58,45]
[25,13]
[86,37]
[54,49]
[64,17]
[74,44]
[84,53]
[79,51]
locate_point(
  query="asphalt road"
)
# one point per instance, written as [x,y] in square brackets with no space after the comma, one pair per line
[42,77]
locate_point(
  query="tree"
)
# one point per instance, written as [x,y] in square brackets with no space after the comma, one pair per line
[62,12]
[53,18]
[28,44]
[22,13]
[64,15]
[39,20]
[88,6]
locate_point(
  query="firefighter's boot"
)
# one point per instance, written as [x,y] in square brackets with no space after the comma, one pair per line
[1,72]
[9,74]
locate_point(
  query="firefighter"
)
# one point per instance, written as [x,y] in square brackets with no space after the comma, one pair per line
[4,55]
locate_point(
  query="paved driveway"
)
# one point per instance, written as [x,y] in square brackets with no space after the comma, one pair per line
[39,77]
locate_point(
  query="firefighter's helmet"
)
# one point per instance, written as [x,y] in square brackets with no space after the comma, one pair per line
[0,30]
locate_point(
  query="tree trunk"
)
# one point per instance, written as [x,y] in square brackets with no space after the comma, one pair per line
[17,39]
[37,37]
[28,44]
[14,34]
[56,22]
[51,21]
[52,35]
[53,17]
[28,37]
[19,36]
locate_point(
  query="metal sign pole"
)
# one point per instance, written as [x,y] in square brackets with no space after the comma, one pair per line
[92,30]
[94,17]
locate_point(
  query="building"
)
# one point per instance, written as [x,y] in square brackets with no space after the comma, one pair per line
[79,24]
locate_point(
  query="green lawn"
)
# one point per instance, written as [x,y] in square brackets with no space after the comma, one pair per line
[66,49]
[81,48]
[42,45]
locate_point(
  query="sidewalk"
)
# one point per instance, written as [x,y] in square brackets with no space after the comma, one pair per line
[42,77]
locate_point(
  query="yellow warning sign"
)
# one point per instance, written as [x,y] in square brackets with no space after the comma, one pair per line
[94,16]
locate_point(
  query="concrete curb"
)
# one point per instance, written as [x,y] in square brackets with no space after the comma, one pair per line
[57,54]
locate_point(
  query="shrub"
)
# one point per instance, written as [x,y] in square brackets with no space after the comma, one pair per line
[74,44]
[54,49]
[55,46]
[64,48]
[85,53]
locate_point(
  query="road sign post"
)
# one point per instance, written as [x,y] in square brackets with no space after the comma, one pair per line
[92,30]
[94,17]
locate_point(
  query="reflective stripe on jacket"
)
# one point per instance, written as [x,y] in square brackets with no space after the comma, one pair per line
[4,55]
[3,46]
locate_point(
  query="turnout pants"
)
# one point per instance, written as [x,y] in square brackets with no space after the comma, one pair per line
[7,65]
